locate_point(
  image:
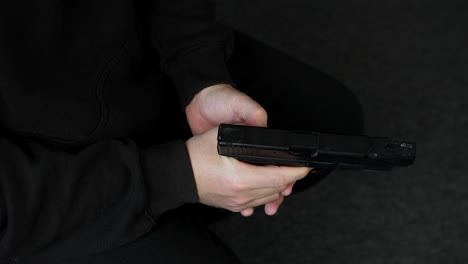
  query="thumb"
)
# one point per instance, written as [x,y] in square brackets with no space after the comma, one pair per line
[252,113]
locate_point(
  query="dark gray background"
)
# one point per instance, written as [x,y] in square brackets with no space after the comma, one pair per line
[407,61]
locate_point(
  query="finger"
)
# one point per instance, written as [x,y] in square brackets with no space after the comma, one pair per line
[249,110]
[258,117]
[261,201]
[271,176]
[265,192]
[272,207]
[288,190]
[247,212]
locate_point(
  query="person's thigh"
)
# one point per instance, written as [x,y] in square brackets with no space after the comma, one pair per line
[294,94]
[176,238]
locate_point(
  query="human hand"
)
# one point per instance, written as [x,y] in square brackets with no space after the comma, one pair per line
[222,103]
[234,185]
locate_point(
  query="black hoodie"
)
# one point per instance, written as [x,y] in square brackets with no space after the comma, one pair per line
[78,78]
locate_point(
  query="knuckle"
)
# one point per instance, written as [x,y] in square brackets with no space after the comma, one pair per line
[272,198]
[283,188]
[236,209]
[280,181]
[275,196]
[237,185]
[239,201]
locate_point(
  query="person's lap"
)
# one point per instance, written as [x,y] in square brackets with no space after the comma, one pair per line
[296,96]
[176,238]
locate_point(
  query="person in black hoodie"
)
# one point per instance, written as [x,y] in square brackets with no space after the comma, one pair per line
[109,112]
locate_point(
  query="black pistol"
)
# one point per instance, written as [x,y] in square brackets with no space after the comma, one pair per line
[267,146]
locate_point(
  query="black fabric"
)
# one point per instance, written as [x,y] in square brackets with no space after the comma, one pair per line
[193,48]
[176,238]
[182,235]
[80,87]
[81,90]
[407,63]
[295,95]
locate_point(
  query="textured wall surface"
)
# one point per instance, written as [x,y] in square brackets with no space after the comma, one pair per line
[407,61]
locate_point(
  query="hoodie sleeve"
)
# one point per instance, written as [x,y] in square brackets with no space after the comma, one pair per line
[57,202]
[193,47]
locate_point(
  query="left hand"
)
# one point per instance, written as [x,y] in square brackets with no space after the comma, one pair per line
[222,103]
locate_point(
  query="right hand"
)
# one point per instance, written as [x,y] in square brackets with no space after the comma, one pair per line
[234,185]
